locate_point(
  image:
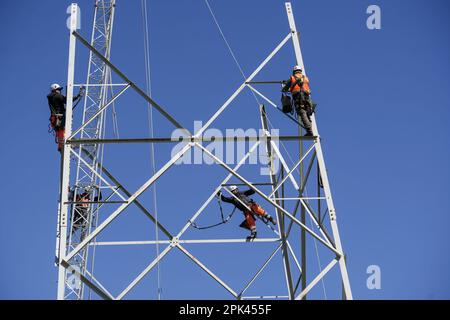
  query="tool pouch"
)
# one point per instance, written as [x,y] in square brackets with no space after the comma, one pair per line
[286,103]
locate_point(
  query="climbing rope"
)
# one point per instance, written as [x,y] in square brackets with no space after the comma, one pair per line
[230,49]
[151,131]
[224,219]
[115,122]
[258,102]
[225,39]
[242,73]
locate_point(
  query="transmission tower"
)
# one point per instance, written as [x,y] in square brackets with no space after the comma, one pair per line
[288,194]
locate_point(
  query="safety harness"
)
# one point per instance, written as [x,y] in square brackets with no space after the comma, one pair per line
[56,119]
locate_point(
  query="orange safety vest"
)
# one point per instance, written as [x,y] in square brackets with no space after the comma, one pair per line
[295,87]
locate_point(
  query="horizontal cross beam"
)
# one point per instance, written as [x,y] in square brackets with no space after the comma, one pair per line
[188,139]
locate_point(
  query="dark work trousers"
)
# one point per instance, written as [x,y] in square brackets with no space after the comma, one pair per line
[303,106]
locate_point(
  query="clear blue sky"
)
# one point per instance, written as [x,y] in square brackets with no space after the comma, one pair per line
[383,113]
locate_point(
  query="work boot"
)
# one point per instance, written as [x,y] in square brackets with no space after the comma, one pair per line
[252,236]
[309,134]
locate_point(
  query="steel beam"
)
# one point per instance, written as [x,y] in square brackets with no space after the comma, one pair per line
[316,279]
[128,194]
[99,112]
[178,140]
[213,194]
[97,289]
[183,241]
[204,268]
[292,170]
[284,164]
[237,175]
[131,83]
[119,210]
[321,162]
[144,273]
[65,176]
[242,86]
[260,270]
[273,180]
[273,104]
[112,188]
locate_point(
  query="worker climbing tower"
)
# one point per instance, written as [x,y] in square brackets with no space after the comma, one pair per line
[298,193]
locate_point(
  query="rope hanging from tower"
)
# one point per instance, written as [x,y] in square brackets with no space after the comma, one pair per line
[224,219]
[151,132]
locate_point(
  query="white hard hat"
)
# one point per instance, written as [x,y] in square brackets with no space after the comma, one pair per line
[55,86]
[297,68]
[233,188]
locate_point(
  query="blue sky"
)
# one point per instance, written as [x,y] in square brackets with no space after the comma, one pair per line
[383,114]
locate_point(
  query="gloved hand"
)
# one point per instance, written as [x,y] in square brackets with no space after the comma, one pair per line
[219,193]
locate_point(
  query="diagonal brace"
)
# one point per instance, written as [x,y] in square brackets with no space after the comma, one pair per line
[119,210]
[237,175]
[131,83]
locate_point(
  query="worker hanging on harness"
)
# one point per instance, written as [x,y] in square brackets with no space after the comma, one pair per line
[248,207]
[298,85]
[57,104]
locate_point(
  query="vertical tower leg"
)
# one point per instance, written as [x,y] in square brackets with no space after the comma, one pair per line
[281,226]
[63,212]
[321,162]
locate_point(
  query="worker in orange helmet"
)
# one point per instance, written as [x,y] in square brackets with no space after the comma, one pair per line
[241,201]
[298,85]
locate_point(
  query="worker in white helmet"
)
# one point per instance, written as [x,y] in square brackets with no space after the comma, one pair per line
[244,204]
[57,104]
[298,85]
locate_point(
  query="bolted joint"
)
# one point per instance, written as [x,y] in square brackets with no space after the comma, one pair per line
[332,215]
[174,242]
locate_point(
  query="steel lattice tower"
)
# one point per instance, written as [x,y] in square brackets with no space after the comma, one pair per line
[83,147]
[98,90]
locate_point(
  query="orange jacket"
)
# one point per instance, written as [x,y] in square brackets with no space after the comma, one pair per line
[295,87]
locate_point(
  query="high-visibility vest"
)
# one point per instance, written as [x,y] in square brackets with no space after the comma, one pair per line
[295,87]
